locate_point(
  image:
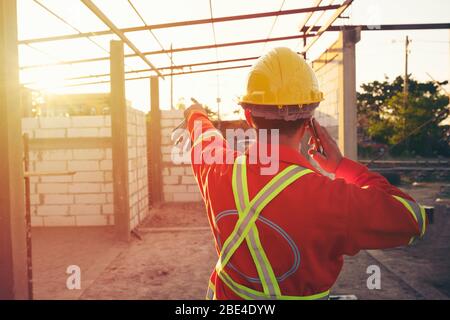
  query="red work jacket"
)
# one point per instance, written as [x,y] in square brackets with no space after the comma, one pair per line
[308,227]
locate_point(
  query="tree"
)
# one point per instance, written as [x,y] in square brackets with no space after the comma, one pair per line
[384,118]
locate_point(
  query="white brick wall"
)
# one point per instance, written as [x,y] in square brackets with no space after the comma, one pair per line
[179,184]
[327,72]
[82,199]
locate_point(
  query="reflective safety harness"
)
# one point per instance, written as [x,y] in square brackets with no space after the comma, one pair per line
[246,228]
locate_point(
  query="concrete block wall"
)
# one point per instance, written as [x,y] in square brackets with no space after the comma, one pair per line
[336,72]
[327,68]
[82,199]
[179,184]
[137,166]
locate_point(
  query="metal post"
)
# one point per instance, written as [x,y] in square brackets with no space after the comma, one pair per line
[13,248]
[26,165]
[171,79]
[347,95]
[119,141]
[155,144]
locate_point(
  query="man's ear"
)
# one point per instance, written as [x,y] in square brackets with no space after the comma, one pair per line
[248,117]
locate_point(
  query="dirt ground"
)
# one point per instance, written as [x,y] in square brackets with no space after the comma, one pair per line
[176,264]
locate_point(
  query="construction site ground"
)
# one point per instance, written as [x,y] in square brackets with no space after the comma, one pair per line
[173,255]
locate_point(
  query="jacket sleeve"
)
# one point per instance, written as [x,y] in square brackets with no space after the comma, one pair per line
[209,150]
[376,214]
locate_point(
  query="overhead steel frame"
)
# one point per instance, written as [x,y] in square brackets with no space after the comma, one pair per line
[203,47]
[384,27]
[183,23]
[121,34]
[318,31]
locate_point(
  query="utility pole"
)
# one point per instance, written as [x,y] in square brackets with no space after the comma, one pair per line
[405,88]
[405,80]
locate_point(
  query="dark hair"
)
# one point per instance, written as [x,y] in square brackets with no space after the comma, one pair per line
[287,128]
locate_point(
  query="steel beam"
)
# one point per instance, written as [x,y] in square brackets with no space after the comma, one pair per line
[91,6]
[183,23]
[168,74]
[325,27]
[383,27]
[154,145]
[119,138]
[211,46]
[177,67]
[309,15]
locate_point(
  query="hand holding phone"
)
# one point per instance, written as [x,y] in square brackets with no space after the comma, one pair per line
[317,141]
[323,148]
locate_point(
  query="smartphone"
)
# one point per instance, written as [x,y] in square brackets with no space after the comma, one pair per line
[316,136]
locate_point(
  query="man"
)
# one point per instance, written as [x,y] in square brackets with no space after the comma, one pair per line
[283,235]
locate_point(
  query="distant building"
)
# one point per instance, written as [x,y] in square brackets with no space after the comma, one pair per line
[54,105]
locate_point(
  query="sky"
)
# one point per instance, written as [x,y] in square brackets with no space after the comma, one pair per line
[379,54]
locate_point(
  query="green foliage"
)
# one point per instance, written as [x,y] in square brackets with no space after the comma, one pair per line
[384,118]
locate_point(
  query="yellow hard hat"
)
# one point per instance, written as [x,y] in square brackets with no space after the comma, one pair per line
[281,78]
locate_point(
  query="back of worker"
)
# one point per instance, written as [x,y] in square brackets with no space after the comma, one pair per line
[282,233]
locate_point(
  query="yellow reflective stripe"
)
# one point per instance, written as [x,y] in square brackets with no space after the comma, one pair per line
[240,207]
[417,212]
[251,294]
[260,249]
[234,185]
[406,204]
[205,135]
[266,262]
[242,201]
[211,292]
[242,233]
[424,225]
[243,165]
[317,296]
[246,211]
[240,290]
[264,189]
[258,266]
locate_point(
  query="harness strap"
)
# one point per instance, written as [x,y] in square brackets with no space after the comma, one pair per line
[245,228]
[210,293]
[252,211]
[262,264]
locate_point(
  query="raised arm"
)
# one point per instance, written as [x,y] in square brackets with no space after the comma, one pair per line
[209,150]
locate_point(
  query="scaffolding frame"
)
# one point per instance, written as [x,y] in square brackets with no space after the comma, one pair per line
[311,31]
[121,33]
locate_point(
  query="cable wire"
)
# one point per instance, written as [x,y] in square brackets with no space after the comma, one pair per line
[217,58]
[273,25]
[151,32]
